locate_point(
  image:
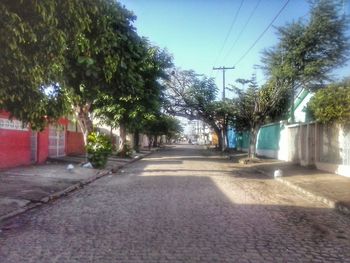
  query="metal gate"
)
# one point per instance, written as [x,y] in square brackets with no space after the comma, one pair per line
[57,141]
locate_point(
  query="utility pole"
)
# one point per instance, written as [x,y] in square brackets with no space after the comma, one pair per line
[223,78]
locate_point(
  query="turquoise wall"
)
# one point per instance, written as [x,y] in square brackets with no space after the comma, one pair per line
[232,140]
[269,136]
[243,140]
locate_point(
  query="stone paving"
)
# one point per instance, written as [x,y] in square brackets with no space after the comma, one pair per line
[26,187]
[179,205]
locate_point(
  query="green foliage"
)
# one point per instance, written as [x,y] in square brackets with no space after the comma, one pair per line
[190,97]
[163,125]
[193,98]
[85,49]
[309,50]
[99,147]
[256,106]
[144,101]
[127,151]
[31,59]
[331,104]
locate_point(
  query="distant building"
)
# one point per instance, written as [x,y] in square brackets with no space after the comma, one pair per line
[199,132]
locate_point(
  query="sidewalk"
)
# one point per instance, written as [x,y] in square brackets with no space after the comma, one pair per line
[331,189]
[24,188]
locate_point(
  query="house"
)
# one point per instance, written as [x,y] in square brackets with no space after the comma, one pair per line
[19,145]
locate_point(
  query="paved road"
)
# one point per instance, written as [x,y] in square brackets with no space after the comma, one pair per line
[179,205]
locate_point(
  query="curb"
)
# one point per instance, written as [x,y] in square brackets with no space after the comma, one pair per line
[70,189]
[332,203]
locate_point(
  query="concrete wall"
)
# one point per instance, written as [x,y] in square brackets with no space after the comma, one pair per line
[268,140]
[311,144]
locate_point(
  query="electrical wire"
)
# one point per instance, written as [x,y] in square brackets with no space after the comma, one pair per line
[262,34]
[243,28]
[229,31]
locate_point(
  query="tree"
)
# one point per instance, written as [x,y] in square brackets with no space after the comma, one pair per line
[31,61]
[255,106]
[193,98]
[102,54]
[162,125]
[308,51]
[141,103]
[332,104]
[223,112]
[65,53]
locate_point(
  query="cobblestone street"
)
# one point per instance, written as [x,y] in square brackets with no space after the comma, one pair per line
[181,204]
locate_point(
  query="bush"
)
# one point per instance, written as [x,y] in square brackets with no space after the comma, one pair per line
[127,151]
[99,147]
[331,104]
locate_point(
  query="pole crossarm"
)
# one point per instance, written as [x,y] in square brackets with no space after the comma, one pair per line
[223,78]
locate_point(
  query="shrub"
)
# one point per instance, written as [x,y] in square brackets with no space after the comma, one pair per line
[99,147]
[127,151]
[331,104]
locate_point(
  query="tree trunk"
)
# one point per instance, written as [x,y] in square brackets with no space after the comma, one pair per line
[122,139]
[292,109]
[136,141]
[219,134]
[82,114]
[155,142]
[222,140]
[150,142]
[227,140]
[225,137]
[252,142]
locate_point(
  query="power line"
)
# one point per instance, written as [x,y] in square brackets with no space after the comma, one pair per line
[263,33]
[229,31]
[243,28]
[223,78]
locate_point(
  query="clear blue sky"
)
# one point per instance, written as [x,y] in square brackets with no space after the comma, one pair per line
[194,31]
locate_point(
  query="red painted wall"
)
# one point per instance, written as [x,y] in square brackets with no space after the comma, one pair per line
[43,146]
[15,145]
[4,114]
[74,143]
[14,148]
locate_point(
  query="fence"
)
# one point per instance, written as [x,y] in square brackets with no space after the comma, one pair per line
[309,144]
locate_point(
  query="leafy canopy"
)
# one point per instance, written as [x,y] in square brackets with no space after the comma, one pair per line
[31,59]
[309,50]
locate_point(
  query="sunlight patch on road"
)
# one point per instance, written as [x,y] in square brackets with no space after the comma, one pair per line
[278,195]
[175,157]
